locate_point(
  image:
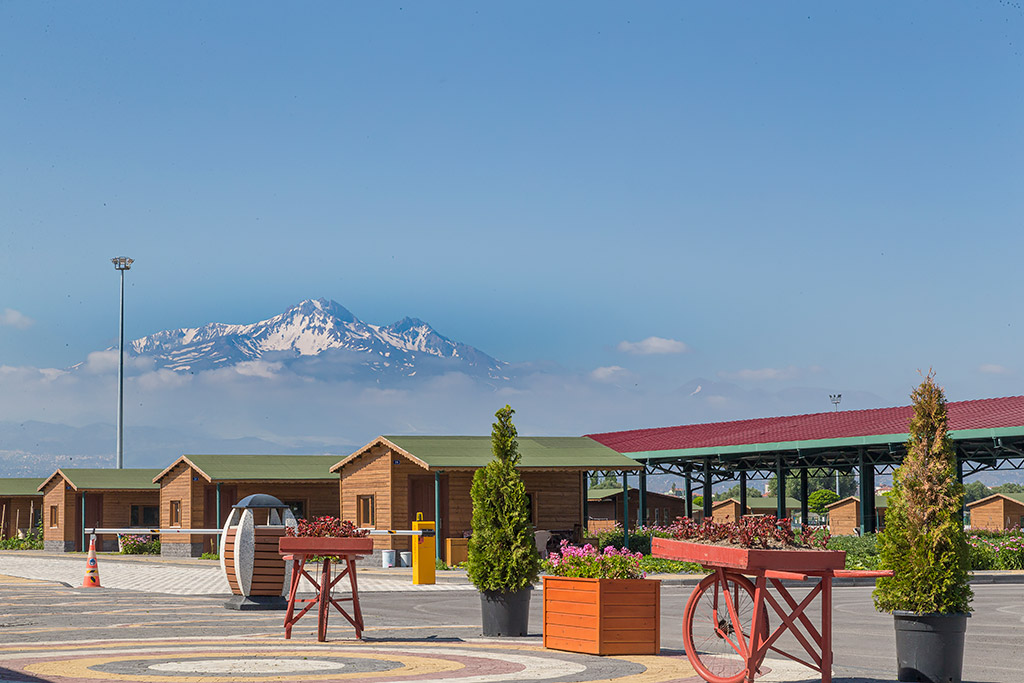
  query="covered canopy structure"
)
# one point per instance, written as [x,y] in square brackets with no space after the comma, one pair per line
[988,435]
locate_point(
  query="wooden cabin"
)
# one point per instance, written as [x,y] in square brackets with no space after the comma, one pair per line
[998,512]
[844,515]
[728,510]
[604,508]
[388,481]
[197,492]
[108,498]
[21,506]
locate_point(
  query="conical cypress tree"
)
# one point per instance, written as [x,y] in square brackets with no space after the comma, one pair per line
[502,552]
[923,541]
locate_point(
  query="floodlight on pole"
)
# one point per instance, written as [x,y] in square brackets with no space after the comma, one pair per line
[121,263]
[836,398]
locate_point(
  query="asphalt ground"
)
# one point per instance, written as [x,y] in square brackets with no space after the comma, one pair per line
[53,632]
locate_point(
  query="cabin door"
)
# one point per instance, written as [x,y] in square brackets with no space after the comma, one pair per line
[93,518]
[421,499]
[211,520]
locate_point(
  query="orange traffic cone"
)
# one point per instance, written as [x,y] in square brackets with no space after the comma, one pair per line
[92,569]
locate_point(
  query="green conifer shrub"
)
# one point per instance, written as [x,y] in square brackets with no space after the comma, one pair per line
[923,541]
[502,553]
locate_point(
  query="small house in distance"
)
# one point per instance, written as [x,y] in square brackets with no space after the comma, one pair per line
[77,499]
[844,515]
[728,510]
[604,508]
[389,480]
[21,505]
[198,491]
[998,512]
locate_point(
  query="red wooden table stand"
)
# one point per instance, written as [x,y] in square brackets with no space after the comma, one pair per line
[728,628]
[346,550]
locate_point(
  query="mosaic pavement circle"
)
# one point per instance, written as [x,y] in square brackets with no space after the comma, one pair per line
[162,661]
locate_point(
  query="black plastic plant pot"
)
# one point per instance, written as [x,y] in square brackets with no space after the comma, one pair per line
[930,647]
[506,614]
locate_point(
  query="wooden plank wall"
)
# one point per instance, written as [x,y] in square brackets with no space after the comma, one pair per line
[997,514]
[117,508]
[57,493]
[178,485]
[321,497]
[844,519]
[370,474]
[726,511]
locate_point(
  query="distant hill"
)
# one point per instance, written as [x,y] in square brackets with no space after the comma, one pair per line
[318,337]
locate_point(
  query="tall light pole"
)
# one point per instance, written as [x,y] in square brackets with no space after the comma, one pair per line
[121,263]
[836,398]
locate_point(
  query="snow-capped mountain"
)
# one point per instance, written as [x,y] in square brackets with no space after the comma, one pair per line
[313,332]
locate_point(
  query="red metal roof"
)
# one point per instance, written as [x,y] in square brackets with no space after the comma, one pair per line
[988,413]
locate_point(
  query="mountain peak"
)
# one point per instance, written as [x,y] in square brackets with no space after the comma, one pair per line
[313,328]
[326,306]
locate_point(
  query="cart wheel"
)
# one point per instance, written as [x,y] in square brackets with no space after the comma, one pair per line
[710,632]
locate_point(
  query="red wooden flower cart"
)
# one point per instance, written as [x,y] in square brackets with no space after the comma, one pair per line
[297,549]
[727,629]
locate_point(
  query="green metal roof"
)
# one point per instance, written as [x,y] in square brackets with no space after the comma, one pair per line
[465,452]
[21,486]
[111,478]
[263,467]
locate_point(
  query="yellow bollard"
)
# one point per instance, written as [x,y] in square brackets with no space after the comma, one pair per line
[424,553]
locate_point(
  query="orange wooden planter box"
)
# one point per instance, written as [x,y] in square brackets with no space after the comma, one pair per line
[319,545]
[748,559]
[602,616]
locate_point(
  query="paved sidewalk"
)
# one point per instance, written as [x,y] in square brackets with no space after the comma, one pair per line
[177,577]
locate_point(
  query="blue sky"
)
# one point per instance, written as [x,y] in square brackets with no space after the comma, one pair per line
[804,197]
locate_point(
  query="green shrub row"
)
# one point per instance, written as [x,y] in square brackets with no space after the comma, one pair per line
[33,541]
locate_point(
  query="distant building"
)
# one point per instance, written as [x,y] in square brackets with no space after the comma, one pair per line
[21,505]
[844,515]
[998,512]
[78,499]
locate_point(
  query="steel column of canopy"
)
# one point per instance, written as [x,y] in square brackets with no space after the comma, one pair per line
[743,493]
[437,511]
[780,490]
[641,513]
[804,507]
[585,485]
[960,480]
[707,489]
[688,494]
[867,493]
[625,510]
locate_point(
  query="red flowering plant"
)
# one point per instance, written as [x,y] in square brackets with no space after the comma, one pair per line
[327,527]
[766,531]
[590,563]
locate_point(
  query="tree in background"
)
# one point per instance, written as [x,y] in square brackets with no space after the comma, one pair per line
[821,499]
[698,502]
[502,550]
[923,541]
[601,480]
[816,479]
[976,490]
[734,492]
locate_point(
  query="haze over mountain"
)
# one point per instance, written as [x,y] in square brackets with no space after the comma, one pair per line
[315,328]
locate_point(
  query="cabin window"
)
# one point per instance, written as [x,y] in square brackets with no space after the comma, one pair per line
[665,517]
[298,508]
[54,517]
[144,515]
[657,516]
[529,507]
[175,513]
[364,511]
